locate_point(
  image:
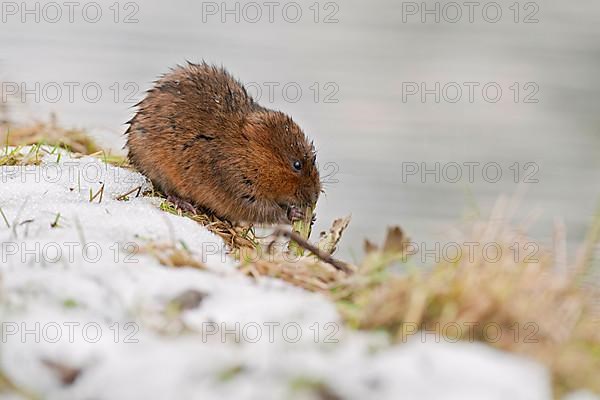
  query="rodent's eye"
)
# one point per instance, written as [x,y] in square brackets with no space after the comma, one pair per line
[297,165]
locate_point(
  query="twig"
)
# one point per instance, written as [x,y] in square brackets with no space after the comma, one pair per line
[124,196]
[322,255]
[99,193]
[5,219]
[55,223]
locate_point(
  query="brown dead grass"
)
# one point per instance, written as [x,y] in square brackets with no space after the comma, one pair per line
[171,254]
[539,313]
[306,272]
[51,134]
[235,236]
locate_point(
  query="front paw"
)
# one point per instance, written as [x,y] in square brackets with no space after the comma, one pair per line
[183,205]
[295,213]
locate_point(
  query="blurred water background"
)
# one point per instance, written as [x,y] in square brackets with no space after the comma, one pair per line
[358,64]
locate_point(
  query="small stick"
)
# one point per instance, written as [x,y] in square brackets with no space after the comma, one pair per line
[5,219]
[55,223]
[320,254]
[99,193]
[124,196]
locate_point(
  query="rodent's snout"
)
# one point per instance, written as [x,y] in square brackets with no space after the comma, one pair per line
[314,188]
[314,196]
[310,195]
[307,196]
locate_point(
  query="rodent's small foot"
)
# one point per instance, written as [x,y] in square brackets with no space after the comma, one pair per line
[183,205]
[295,214]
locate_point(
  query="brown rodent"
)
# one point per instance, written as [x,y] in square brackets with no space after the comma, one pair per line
[200,137]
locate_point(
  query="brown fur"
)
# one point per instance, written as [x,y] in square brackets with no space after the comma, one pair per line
[199,136]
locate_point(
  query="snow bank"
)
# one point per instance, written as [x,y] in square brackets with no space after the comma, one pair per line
[75,292]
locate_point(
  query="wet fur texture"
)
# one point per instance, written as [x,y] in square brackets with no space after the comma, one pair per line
[199,136]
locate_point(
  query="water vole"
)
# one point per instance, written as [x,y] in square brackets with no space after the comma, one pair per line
[201,138]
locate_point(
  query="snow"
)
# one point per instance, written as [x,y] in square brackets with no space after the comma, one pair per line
[73,295]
